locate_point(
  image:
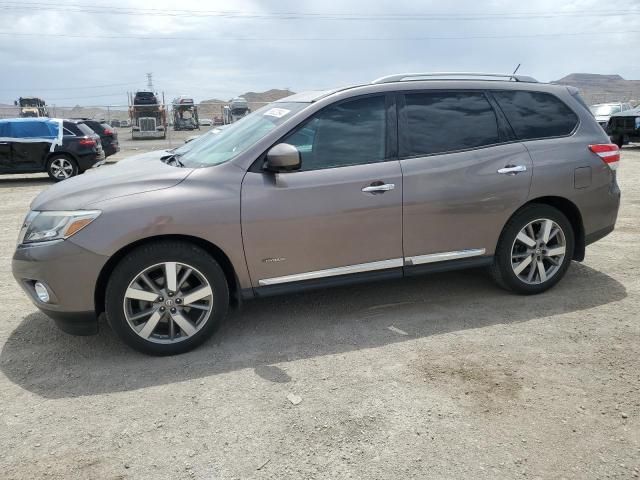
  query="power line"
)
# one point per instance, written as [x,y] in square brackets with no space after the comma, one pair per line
[114,10]
[79,87]
[289,39]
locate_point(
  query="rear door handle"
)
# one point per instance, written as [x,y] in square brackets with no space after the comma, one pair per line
[383,187]
[512,169]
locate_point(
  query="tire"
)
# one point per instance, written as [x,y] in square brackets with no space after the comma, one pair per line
[620,141]
[170,335]
[61,167]
[516,274]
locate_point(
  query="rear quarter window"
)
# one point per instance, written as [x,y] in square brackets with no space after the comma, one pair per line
[73,129]
[535,115]
[85,129]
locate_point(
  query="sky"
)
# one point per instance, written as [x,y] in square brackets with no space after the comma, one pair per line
[71,52]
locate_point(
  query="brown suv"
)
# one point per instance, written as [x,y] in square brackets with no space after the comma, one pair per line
[409,174]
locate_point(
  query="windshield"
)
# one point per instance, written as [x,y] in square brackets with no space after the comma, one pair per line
[237,137]
[603,110]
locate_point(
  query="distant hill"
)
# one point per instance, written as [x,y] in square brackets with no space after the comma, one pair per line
[213,107]
[597,88]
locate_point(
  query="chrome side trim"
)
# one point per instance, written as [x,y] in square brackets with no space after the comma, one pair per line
[332,272]
[442,257]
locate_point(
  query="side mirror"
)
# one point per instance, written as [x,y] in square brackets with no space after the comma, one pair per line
[283,158]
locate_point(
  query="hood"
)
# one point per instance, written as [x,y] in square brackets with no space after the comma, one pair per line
[108,182]
[146,157]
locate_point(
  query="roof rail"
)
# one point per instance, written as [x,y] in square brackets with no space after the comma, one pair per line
[403,77]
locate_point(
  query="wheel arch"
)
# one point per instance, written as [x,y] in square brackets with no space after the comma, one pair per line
[213,250]
[572,212]
[63,153]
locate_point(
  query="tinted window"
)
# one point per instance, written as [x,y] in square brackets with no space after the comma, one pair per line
[536,114]
[95,126]
[438,122]
[85,130]
[73,128]
[349,133]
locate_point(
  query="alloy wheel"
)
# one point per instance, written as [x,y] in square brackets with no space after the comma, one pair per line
[61,168]
[538,251]
[168,302]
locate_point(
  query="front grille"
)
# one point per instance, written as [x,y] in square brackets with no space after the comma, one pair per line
[147,124]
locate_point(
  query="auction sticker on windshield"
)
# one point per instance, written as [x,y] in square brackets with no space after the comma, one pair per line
[276,112]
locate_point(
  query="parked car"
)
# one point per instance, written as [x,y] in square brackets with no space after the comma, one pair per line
[115,123]
[403,176]
[29,145]
[108,135]
[603,111]
[125,123]
[624,127]
[206,122]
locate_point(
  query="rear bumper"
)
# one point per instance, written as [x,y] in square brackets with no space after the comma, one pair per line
[597,235]
[85,162]
[110,149]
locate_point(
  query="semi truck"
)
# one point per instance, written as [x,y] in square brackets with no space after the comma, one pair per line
[185,114]
[148,116]
[32,107]
[237,108]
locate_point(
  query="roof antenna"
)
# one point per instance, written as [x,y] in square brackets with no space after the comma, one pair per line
[514,72]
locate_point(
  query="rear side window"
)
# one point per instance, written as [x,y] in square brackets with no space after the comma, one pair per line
[535,115]
[439,122]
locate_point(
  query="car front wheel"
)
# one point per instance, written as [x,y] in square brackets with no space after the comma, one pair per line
[534,251]
[166,298]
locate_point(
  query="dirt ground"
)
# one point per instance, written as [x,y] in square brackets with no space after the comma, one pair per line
[439,377]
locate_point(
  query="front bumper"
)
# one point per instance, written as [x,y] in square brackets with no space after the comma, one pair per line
[70,274]
[145,134]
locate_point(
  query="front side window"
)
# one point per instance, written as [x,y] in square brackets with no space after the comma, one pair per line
[535,115]
[440,122]
[347,133]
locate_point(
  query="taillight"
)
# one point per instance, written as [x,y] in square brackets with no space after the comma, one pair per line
[107,132]
[608,152]
[87,142]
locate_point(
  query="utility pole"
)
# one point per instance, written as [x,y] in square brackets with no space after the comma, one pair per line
[150,81]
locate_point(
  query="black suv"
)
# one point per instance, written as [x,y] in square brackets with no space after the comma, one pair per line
[62,148]
[108,135]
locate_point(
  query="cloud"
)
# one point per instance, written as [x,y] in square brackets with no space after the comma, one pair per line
[213,60]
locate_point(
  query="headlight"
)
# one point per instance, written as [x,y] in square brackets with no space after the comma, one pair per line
[48,226]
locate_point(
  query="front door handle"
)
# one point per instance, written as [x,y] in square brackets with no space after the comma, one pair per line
[512,169]
[379,188]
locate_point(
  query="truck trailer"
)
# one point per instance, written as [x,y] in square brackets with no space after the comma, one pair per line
[148,116]
[185,114]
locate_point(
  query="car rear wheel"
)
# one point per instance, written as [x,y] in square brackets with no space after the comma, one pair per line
[166,298]
[534,250]
[62,167]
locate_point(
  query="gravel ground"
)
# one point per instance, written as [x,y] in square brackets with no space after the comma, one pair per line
[443,376]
